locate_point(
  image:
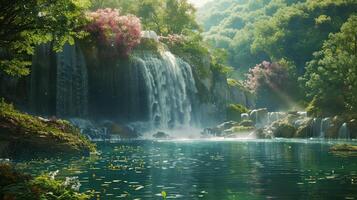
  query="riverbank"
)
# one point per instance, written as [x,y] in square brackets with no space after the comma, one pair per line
[24,134]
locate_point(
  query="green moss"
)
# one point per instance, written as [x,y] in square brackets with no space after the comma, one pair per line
[234,112]
[284,130]
[34,134]
[247,123]
[233,83]
[239,129]
[149,45]
[15,185]
[344,147]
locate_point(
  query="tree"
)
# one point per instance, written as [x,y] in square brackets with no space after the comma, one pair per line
[274,84]
[28,23]
[331,77]
[179,15]
[118,33]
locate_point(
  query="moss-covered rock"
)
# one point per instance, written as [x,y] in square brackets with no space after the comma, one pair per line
[344,148]
[234,111]
[304,129]
[246,123]
[283,129]
[16,185]
[26,134]
[237,131]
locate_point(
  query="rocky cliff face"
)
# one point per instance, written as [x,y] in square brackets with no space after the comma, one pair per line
[151,86]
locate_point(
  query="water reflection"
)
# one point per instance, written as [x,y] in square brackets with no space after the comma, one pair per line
[299,169]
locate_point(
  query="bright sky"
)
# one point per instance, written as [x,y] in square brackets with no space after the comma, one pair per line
[198,3]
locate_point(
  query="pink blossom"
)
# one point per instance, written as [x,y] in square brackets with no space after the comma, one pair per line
[115,31]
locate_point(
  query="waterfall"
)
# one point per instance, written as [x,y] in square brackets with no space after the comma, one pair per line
[316,127]
[71,83]
[170,90]
[344,132]
[325,124]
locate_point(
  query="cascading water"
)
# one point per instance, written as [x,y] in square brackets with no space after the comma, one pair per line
[325,124]
[72,83]
[170,89]
[316,127]
[344,132]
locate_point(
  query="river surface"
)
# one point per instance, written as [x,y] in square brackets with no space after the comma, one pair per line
[211,169]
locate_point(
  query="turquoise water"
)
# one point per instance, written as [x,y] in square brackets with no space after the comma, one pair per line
[217,170]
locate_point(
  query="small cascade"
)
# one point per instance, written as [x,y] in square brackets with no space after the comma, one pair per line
[316,127]
[325,124]
[170,89]
[344,132]
[72,83]
[244,116]
[274,116]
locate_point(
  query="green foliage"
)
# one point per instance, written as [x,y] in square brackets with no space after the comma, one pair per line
[53,136]
[275,85]
[193,50]
[26,24]
[234,112]
[253,31]
[331,77]
[239,129]
[15,185]
[219,60]
[162,16]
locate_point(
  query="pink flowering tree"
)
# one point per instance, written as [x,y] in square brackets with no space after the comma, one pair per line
[117,34]
[274,84]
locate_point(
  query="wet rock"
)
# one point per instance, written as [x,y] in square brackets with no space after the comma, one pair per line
[283,129]
[259,116]
[23,134]
[219,130]
[344,148]
[161,135]
[246,123]
[352,126]
[244,116]
[304,128]
[124,132]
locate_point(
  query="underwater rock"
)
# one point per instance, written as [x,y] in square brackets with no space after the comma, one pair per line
[344,148]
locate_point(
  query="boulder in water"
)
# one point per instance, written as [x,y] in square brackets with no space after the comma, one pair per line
[344,148]
[259,116]
[283,129]
[305,128]
[161,135]
[246,123]
[124,132]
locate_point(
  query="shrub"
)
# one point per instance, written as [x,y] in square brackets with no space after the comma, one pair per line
[274,84]
[118,34]
[15,185]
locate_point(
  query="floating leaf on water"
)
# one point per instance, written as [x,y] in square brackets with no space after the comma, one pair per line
[163,194]
[139,188]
